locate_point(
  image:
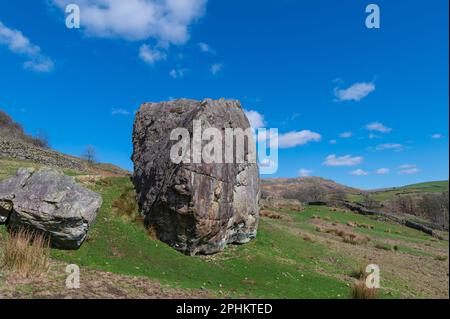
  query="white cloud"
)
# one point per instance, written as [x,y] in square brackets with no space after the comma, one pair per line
[303,172]
[286,140]
[382,171]
[256,119]
[409,171]
[216,68]
[437,136]
[177,73]
[373,136]
[359,172]
[356,92]
[295,138]
[41,64]
[166,21]
[17,43]
[204,47]
[119,112]
[150,56]
[378,127]
[333,142]
[347,160]
[389,146]
[346,135]
[407,166]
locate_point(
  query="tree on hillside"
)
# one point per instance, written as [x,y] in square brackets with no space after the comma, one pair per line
[434,207]
[90,154]
[338,196]
[406,204]
[311,193]
[41,139]
[369,201]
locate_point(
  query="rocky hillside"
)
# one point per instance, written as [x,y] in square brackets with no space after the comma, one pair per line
[292,187]
[15,131]
[16,144]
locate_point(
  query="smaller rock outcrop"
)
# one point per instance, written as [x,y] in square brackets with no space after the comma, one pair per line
[45,200]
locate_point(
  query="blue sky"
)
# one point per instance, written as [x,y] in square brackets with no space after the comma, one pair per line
[365,107]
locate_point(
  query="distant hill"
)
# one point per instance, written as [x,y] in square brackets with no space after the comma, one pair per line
[295,187]
[289,187]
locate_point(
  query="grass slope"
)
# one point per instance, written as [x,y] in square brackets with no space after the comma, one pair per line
[413,189]
[275,265]
[436,186]
[288,259]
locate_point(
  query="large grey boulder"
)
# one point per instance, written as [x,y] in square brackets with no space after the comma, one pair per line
[45,200]
[193,207]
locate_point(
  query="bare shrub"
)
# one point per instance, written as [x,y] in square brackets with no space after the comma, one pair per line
[41,139]
[311,193]
[338,196]
[369,201]
[26,253]
[435,207]
[432,206]
[90,154]
[405,204]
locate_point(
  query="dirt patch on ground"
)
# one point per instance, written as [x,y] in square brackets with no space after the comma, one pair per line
[93,285]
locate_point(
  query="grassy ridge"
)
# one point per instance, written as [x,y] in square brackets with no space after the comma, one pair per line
[436,186]
[390,193]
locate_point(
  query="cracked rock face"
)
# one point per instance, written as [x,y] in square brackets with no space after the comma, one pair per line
[47,201]
[193,207]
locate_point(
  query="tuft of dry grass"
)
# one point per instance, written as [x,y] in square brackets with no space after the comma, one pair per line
[359,273]
[441,257]
[352,224]
[270,214]
[383,246]
[151,232]
[307,237]
[26,253]
[348,237]
[361,291]
[126,205]
[355,239]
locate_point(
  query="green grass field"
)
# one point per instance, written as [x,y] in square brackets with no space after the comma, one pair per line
[280,263]
[388,194]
